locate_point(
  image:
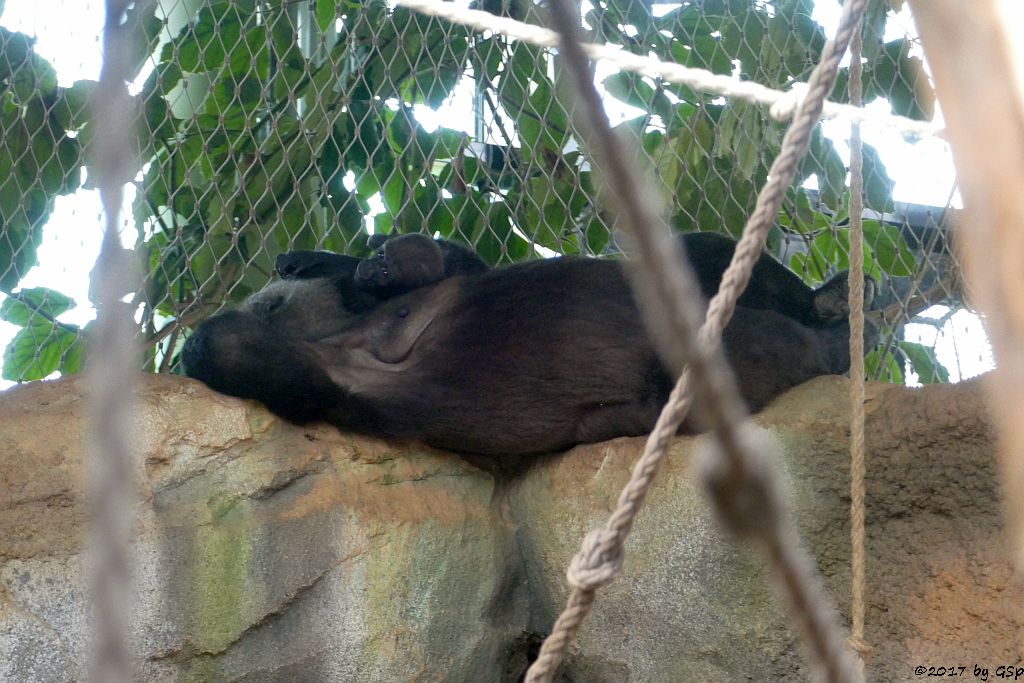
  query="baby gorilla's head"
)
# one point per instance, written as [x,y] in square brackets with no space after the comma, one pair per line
[401,264]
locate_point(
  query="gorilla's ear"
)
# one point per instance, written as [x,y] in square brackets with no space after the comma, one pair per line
[306,265]
[375,240]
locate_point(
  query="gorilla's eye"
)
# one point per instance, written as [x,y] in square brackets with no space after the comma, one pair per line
[266,307]
[382,264]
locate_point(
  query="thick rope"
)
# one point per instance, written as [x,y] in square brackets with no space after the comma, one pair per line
[856,304]
[782,104]
[740,483]
[111,471]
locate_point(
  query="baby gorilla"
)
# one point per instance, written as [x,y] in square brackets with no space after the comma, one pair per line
[408,262]
[533,357]
[399,264]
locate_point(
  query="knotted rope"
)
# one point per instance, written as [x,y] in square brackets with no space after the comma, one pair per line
[740,484]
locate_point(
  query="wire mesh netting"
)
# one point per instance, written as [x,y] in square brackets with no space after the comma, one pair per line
[269,126]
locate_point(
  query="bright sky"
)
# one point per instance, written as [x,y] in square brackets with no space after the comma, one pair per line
[68,37]
[67,34]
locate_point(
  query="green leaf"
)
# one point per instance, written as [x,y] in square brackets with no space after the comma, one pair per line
[39,350]
[393,192]
[22,307]
[22,234]
[824,161]
[749,141]
[491,52]
[526,66]
[679,118]
[703,137]
[708,53]
[798,214]
[883,366]
[901,79]
[496,242]
[16,51]
[630,88]
[449,143]
[924,363]
[31,354]
[142,29]
[72,107]
[439,65]
[891,251]
[325,14]
[874,28]
[203,44]
[877,183]
[598,236]
[250,55]
[743,36]
[382,223]
[74,356]
[543,122]
[826,250]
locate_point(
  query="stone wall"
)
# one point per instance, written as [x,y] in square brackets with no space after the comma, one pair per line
[269,552]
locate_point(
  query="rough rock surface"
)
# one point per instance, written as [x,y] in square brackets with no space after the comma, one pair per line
[691,606]
[274,553]
[267,553]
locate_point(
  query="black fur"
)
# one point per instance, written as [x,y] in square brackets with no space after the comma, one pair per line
[307,265]
[399,264]
[406,262]
[534,357]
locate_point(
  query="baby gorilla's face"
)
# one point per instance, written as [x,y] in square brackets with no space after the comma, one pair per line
[374,271]
[307,310]
[400,264]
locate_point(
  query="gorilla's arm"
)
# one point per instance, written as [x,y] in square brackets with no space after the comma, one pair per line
[307,265]
[390,332]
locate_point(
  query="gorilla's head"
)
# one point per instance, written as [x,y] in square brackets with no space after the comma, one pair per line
[266,347]
[306,309]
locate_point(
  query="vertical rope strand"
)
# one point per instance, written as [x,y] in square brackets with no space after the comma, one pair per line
[663,289]
[856,304]
[111,471]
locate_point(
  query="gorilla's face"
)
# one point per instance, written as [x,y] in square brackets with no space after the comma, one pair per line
[267,348]
[307,310]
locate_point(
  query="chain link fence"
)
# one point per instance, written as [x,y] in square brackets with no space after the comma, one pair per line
[313,124]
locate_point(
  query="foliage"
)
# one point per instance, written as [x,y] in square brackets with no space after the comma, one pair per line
[892,365]
[252,141]
[43,345]
[40,159]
